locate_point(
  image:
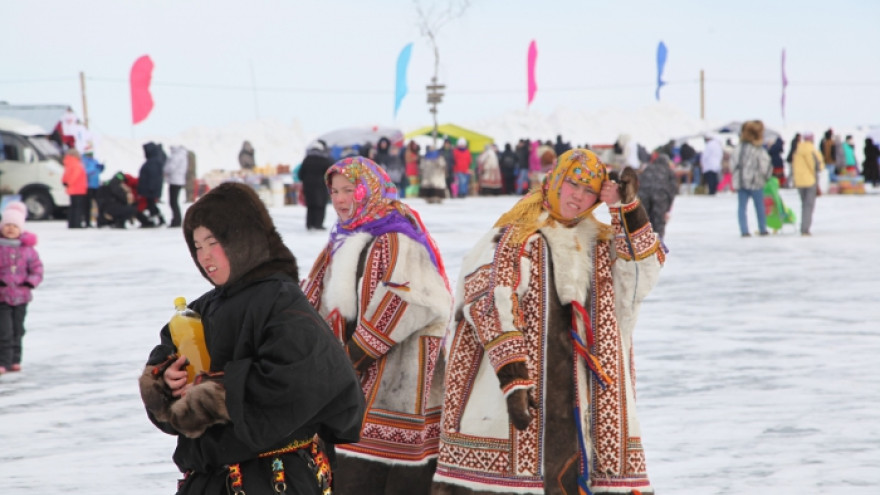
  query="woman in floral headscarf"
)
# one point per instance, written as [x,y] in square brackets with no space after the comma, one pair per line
[381,285]
[547,304]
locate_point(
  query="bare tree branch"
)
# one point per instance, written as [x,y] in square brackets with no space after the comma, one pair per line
[432,18]
[430,21]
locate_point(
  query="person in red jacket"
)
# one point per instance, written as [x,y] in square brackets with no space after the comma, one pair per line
[412,158]
[461,155]
[76,182]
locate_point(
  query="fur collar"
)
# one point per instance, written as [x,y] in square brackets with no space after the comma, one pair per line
[571,250]
[340,281]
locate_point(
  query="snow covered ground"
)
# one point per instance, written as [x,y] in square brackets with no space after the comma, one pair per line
[757,359]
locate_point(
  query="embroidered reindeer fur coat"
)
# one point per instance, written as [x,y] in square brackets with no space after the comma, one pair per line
[515,305]
[384,298]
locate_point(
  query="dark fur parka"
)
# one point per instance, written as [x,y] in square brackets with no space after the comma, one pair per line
[277,372]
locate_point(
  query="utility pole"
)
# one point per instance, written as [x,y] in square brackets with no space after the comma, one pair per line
[435,96]
[82,88]
[702,95]
[254,89]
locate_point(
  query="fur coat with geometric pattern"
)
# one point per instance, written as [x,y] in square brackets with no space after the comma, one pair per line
[387,302]
[514,316]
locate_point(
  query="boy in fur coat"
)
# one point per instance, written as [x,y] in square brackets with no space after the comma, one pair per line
[540,388]
[278,381]
[381,285]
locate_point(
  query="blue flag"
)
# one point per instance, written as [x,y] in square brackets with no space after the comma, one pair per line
[661,63]
[400,88]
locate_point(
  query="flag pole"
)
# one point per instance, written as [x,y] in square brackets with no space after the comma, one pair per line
[702,95]
[82,89]
[254,88]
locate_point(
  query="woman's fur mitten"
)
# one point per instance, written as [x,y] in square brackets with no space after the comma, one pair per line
[203,406]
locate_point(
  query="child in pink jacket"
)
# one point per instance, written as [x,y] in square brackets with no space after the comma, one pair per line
[20,271]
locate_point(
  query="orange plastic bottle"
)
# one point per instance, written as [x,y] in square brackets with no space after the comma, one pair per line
[188,335]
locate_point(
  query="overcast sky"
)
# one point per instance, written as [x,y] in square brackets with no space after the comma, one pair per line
[331,63]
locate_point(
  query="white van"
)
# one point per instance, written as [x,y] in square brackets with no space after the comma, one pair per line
[30,166]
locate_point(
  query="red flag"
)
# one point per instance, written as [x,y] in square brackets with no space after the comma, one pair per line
[533,57]
[141,99]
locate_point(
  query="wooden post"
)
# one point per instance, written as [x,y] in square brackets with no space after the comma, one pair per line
[82,87]
[254,89]
[702,95]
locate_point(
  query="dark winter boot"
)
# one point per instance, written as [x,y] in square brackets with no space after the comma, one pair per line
[146,222]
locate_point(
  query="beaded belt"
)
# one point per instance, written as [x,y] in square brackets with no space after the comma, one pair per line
[308,449]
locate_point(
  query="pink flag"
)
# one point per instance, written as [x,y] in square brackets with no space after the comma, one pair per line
[141,99]
[533,57]
[784,83]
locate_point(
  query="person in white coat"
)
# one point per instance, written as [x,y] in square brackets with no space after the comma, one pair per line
[710,161]
[488,172]
[175,175]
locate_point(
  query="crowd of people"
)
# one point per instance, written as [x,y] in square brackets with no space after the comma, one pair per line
[838,154]
[367,377]
[753,168]
[455,170]
[122,199]
[742,164]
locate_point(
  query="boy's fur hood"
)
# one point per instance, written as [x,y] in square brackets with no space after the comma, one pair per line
[238,219]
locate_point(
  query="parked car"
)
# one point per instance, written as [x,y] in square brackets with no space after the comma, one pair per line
[30,166]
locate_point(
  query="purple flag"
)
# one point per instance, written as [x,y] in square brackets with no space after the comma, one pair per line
[784,83]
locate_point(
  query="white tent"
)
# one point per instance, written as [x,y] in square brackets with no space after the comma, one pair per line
[730,131]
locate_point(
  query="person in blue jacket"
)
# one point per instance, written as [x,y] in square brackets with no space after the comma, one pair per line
[93,176]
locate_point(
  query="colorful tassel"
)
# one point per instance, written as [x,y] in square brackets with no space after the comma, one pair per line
[404,286]
[591,361]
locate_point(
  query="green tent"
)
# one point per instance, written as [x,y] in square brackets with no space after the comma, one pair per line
[476,142]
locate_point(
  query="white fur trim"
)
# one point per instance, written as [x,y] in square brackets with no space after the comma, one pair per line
[525,276]
[340,450]
[340,287]
[415,269]
[429,304]
[504,306]
[485,414]
[487,488]
[478,256]
[518,387]
[572,252]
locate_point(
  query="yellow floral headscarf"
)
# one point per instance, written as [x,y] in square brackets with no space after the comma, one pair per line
[579,165]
